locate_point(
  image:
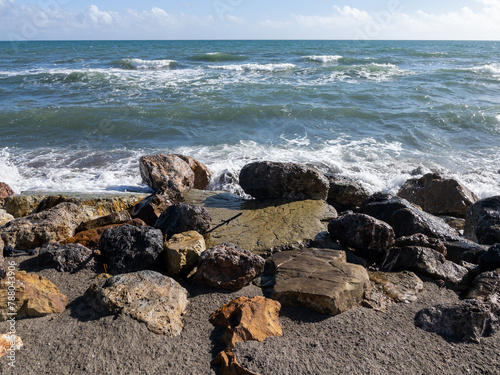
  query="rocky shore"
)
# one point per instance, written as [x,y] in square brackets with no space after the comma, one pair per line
[314,275]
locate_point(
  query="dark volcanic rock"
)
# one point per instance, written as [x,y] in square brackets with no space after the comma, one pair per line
[464,250]
[486,286]
[345,193]
[437,195]
[150,208]
[167,172]
[228,267]
[422,240]
[467,320]
[69,258]
[490,260]
[405,218]
[128,248]
[283,180]
[482,223]
[183,217]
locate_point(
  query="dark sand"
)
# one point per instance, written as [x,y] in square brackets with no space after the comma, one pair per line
[360,341]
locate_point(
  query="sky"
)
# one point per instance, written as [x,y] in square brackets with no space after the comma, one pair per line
[249,19]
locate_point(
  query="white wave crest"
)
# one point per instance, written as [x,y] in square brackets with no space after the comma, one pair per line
[149,64]
[255,67]
[323,58]
[490,69]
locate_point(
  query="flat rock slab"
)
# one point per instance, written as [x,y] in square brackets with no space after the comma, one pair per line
[262,225]
[319,279]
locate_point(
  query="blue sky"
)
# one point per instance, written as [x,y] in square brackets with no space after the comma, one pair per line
[249,19]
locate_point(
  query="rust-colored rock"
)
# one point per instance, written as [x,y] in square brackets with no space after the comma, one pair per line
[228,365]
[5,191]
[167,172]
[201,172]
[8,343]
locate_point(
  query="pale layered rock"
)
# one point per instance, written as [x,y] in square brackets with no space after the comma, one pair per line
[115,218]
[268,180]
[5,217]
[66,258]
[438,195]
[394,287]
[150,208]
[146,296]
[168,172]
[53,225]
[184,217]
[8,343]
[35,296]
[345,193]
[262,225]
[319,279]
[202,173]
[183,251]
[422,240]
[482,223]
[486,287]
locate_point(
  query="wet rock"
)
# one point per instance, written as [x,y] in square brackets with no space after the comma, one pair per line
[53,225]
[456,223]
[482,224]
[65,258]
[128,248]
[486,287]
[319,279]
[168,172]
[150,208]
[465,321]
[146,296]
[422,240]
[202,173]
[345,193]
[464,250]
[438,195]
[405,218]
[391,287]
[35,296]
[184,217]
[426,261]
[183,251]
[490,260]
[5,217]
[8,343]
[266,180]
[115,218]
[362,232]
[5,191]
[228,267]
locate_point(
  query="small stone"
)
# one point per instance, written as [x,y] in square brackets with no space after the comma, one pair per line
[183,217]
[391,287]
[183,251]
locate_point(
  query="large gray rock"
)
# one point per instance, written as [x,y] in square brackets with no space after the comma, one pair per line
[486,287]
[128,248]
[167,172]
[490,260]
[53,225]
[437,195]
[345,193]
[482,223]
[65,258]
[426,261]
[146,296]
[405,218]
[268,180]
[464,250]
[184,217]
[467,320]
[364,233]
[228,267]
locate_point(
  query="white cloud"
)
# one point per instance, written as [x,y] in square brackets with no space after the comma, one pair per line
[100,17]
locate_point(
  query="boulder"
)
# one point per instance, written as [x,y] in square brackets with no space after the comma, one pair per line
[5,191]
[184,217]
[482,223]
[228,267]
[364,233]
[463,250]
[183,251]
[392,287]
[405,218]
[9,343]
[202,173]
[490,260]
[486,287]
[5,217]
[421,240]
[35,296]
[426,261]
[438,195]
[168,172]
[345,193]
[465,321]
[128,248]
[115,218]
[319,279]
[65,258]
[267,180]
[261,226]
[150,208]
[20,205]
[53,225]
[146,296]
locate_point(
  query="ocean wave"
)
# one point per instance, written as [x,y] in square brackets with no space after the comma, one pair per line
[218,56]
[255,67]
[146,64]
[489,69]
[323,58]
[355,73]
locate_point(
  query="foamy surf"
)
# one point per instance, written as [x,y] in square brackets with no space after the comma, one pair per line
[255,67]
[323,58]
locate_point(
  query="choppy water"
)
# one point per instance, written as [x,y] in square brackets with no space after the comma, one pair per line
[77,115]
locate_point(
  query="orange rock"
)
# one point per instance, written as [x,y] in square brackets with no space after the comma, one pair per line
[229,365]
[248,319]
[8,342]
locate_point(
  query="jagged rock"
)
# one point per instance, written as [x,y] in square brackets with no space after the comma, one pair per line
[482,224]
[228,267]
[262,225]
[9,343]
[228,365]
[467,320]
[486,287]
[115,218]
[426,261]
[146,296]
[422,240]
[345,193]
[437,195]
[319,279]
[362,232]
[150,208]
[34,296]
[65,258]
[183,251]
[266,180]
[464,250]
[248,319]
[405,218]
[5,217]
[390,287]
[5,191]
[53,225]
[184,217]
[128,248]
[490,260]
[202,173]
[167,172]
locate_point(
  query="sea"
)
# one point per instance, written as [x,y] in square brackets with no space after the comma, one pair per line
[77,115]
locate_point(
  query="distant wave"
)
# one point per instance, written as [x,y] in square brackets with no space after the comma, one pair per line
[255,67]
[323,58]
[218,56]
[145,64]
[372,72]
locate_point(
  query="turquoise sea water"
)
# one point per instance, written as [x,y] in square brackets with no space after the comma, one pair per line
[77,115]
